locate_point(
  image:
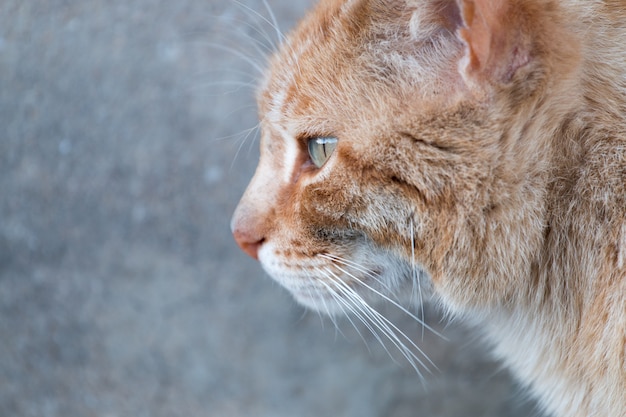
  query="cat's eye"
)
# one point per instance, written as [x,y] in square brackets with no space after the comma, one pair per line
[320,149]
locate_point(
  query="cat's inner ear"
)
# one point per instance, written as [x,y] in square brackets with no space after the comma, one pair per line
[497,40]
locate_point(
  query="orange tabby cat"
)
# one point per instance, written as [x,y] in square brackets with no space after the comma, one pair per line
[480,144]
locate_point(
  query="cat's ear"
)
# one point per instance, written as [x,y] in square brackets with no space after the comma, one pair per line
[497,40]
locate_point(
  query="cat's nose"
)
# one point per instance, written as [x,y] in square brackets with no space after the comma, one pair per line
[248,243]
[247,233]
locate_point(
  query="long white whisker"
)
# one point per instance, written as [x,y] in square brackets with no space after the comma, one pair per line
[391,331]
[281,38]
[319,314]
[337,297]
[246,131]
[241,108]
[259,46]
[263,44]
[404,310]
[358,313]
[331,316]
[226,71]
[416,279]
[232,164]
[260,16]
[341,305]
[279,33]
[238,54]
[377,279]
[238,84]
[262,48]
[386,330]
[357,267]
[252,142]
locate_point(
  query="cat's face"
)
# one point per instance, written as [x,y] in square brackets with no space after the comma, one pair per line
[378,152]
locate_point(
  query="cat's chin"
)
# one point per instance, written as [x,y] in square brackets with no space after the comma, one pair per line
[320,303]
[349,283]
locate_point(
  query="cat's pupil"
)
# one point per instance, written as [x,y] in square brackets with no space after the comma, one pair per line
[321,148]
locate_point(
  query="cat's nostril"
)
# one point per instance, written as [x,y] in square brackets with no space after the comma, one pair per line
[248,244]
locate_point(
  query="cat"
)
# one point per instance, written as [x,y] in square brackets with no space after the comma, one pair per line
[478,145]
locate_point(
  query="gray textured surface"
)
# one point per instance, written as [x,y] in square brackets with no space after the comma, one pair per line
[121,290]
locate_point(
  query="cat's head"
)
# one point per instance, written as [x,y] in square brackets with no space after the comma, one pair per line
[390,148]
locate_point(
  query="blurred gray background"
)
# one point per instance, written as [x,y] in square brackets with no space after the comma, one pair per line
[126,139]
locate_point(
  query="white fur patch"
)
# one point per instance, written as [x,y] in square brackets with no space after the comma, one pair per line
[420,28]
[322,282]
[290,156]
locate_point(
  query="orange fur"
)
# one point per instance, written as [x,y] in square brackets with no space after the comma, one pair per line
[484,142]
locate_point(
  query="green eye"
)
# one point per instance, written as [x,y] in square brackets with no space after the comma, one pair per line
[320,149]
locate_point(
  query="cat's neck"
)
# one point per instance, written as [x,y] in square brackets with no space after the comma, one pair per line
[567,247]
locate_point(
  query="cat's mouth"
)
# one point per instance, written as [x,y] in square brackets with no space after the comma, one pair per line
[318,299]
[347,283]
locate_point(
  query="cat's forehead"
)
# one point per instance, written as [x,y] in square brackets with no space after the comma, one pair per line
[348,57]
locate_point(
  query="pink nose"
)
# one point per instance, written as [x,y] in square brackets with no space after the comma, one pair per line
[248,243]
[248,230]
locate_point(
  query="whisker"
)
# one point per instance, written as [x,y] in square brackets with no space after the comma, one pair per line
[339,302]
[232,164]
[252,143]
[396,304]
[246,131]
[385,297]
[337,297]
[357,312]
[392,332]
[281,37]
[353,308]
[263,48]
[226,71]
[319,314]
[238,54]
[359,268]
[240,85]
[385,324]
[264,45]
[259,15]
[279,33]
[387,332]
[416,278]
[241,108]
[259,46]
[331,316]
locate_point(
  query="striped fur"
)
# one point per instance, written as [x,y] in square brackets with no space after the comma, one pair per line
[482,149]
